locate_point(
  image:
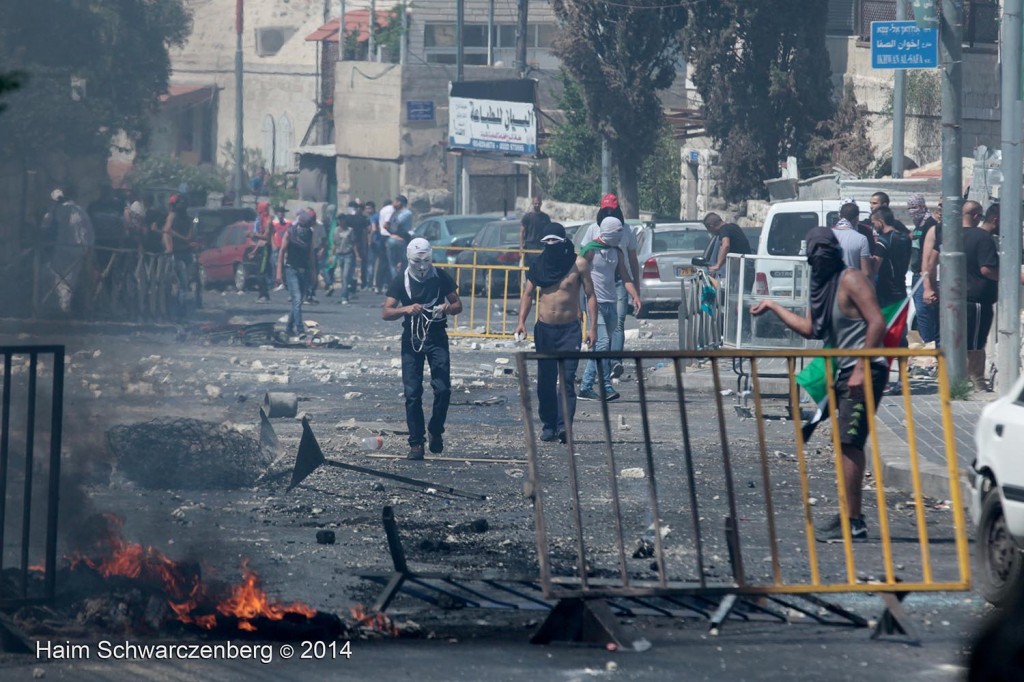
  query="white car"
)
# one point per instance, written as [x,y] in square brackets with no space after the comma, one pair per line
[997,502]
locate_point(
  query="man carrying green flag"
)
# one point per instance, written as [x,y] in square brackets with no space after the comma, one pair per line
[844,314]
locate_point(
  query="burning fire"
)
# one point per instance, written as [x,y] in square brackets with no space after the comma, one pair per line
[187,594]
[374,621]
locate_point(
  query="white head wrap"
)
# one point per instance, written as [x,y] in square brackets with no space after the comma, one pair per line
[611,231]
[137,209]
[419,255]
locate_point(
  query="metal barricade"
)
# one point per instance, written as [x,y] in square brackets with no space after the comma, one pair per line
[490,282]
[700,315]
[713,505]
[33,379]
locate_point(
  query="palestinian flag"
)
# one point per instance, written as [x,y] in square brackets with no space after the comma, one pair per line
[813,379]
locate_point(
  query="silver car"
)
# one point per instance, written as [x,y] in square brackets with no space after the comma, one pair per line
[665,253]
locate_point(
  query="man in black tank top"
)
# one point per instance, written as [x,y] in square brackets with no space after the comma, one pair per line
[845,314]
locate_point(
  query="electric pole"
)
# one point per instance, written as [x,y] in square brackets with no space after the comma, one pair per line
[460,21]
[899,113]
[1008,315]
[952,290]
[522,27]
[239,171]
[341,31]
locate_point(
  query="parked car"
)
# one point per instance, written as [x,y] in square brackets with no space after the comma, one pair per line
[208,222]
[497,234]
[223,261]
[997,502]
[451,230]
[665,253]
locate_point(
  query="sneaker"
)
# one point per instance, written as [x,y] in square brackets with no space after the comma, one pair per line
[617,370]
[312,301]
[330,292]
[548,436]
[611,394]
[344,301]
[562,438]
[415,452]
[263,299]
[436,444]
[832,530]
[587,394]
[279,287]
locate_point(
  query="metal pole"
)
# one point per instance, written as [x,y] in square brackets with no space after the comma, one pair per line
[341,31]
[490,32]
[899,113]
[464,209]
[606,167]
[239,142]
[952,290]
[460,21]
[523,7]
[1008,330]
[404,42]
[371,42]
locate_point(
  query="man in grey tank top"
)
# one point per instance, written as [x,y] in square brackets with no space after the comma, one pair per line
[844,314]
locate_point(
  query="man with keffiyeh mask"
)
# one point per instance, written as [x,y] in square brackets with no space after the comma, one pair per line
[927,313]
[422,297]
[845,315]
[559,274]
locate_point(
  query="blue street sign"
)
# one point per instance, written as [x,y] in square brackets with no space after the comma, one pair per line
[903,45]
[419,110]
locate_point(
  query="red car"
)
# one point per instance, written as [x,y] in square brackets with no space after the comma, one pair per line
[223,262]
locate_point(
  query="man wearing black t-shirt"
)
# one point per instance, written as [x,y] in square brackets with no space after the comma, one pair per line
[422,297]
[532,229]
[730,240]
[982,260]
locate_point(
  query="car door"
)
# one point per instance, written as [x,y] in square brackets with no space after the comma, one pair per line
[1005,422]
[212,259]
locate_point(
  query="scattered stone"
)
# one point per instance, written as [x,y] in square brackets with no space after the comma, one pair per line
[396,363]
[303,415]
[325,537]
[632,334]
[353,395]
[213,391]
[812,501]
[377,487]
[474,346]
[256,364]
[501,361]
[633,472]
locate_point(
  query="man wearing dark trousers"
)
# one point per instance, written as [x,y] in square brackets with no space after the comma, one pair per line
[422,297]
[982,260]
[559,274]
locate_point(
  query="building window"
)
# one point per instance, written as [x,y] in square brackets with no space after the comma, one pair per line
[439,45]
[284,143]
[269,142]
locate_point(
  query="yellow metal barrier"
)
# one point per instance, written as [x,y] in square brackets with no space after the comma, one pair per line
[590,509]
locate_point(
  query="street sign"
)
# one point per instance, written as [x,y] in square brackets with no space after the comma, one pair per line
[419,110]
[926,13]
[903,45]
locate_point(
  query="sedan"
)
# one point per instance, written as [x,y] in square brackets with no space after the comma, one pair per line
[224,261]
[487,271]
[997,502]
[451,230]
[666,254]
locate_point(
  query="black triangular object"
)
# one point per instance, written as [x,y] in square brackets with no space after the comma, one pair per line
[309,457]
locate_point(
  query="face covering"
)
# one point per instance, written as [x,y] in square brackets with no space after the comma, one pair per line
[555,261]
[826,260]
[917,208]
[611,231]
[418,253]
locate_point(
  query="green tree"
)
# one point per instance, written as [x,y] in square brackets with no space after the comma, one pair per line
[92,67]
[660,177]
[843,139]
[763,73]
[576,148]
[622,54]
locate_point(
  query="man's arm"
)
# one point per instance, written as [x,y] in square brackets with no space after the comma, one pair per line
[393,311]
[454,304]
[281,258]
[723,253]
[801,325]
[634,262]
[627,281]
[525,303]
[583,265]
[522,235]
[929,258]
[867,266]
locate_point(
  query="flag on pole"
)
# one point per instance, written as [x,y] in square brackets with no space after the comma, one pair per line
[813,377]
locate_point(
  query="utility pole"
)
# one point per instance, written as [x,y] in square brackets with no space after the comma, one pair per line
[523,8]
[1008,315]
[952,290]
[899,112]
[371,40]
[341,30]
[490,32]
[606,167]
[458,183]
[239,171]
[403,51]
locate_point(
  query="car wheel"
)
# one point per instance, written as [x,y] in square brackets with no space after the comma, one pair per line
[1001,569]
[239,277]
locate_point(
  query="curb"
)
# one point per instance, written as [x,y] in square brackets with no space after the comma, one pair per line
[896,471]
[665,377]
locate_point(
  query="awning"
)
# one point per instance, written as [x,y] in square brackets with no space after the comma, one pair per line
[180,95]
[356,20]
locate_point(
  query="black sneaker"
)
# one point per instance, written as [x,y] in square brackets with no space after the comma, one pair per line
[415,452]
[548,436]
[611,394]
[436,444]
[562,438]
[617,370]
[832,530]
[587,394]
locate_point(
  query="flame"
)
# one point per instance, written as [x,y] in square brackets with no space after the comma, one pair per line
[373,621]
[187,594]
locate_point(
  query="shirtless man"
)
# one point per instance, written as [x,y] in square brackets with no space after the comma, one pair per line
[559,273]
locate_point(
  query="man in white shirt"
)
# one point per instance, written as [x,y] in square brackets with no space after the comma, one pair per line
[387,212]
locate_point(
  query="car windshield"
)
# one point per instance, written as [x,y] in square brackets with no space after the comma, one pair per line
[787,231]
[509,235]
[680,240]
[460,227]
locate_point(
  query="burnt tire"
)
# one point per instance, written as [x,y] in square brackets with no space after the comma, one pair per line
[1000,562]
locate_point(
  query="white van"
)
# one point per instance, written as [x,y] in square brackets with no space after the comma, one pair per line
[785,228]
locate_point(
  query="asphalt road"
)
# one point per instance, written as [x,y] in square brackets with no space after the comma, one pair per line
[122,375]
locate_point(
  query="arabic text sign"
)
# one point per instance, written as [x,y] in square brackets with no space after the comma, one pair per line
[419,110]
[903,45]
[492,125]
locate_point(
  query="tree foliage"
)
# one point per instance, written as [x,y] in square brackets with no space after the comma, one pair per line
[843,139]
[660,177]
[92,67]
[576,148]
[763,73]
[622,54]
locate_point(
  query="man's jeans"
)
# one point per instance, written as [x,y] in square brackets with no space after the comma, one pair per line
[621,306]
[927,316]
[396,256]
[347,261]
[607,319]
[435,352]
[553,338]
[297,281]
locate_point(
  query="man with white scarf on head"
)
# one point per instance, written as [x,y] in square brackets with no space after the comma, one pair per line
[423,297]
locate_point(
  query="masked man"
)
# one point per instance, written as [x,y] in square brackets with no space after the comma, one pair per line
[423,297]
[559,274]
[845,315]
